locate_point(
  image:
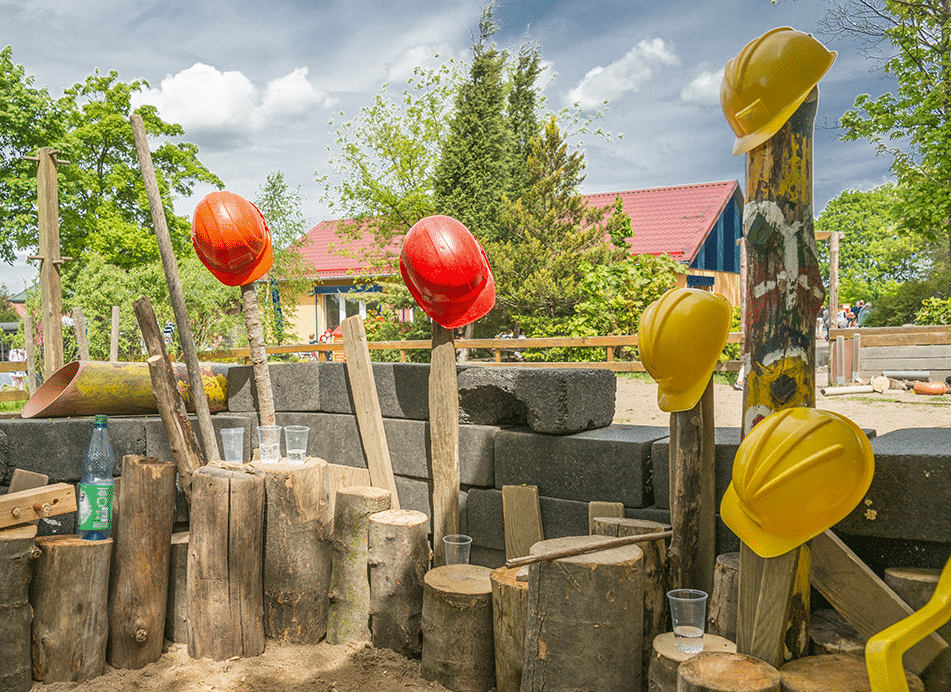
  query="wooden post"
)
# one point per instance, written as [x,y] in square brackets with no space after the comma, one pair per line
[784,292]
[225,563]
[138,590]
[175,294]
[262,376]
[349,616]
[444,437]
[176,609]
[856,356]
[79,328]
[840,360]
[47,205]
[721,610]
[833,277]
[398,558]
[30,353]
[70,614]
[114,336]
[17,553]
[509,618]
[725,672]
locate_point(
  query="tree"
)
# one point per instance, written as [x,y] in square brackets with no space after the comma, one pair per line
[8,313]
[523,116]
[913,124]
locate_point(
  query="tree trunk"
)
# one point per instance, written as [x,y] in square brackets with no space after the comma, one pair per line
[176,609]
[70,616]
[297,553]
[349,615]
[398,557]
[509,618]
[585,619]
[225,564]
[721,615]
[262,377]
[458,649]
[839,672]
[724,672]
[138,590]
[17,553]
[444,437]
[666,658]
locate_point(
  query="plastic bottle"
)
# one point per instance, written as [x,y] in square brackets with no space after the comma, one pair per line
[96,486]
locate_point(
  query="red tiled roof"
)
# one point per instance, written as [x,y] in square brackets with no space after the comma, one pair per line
[671,220]
[324,252]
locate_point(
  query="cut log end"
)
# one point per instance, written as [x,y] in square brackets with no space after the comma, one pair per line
[727,672]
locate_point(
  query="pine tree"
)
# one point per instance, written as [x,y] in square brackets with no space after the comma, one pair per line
[523,105]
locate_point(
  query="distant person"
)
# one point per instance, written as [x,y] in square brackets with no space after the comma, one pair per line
[865,314]
[856,310]
[842,319]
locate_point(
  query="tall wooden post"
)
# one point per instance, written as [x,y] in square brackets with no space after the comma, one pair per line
[833,277]
[784,292]
[444,437]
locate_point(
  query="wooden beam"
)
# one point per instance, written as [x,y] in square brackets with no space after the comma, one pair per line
[522,517]
[37,503]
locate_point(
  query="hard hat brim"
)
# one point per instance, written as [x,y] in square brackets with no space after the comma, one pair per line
[687,399]
[253,273]
[759,541]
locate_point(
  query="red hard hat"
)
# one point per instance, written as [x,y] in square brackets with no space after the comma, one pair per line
[446,270]
[231,238]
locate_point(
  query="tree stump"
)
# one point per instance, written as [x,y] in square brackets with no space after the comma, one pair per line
[225,563]
[509,616]
[585,619]
[176,608]
[721,613]
[832,634]
[398,557]
[297,552]
[348,618]
[17,552]
[70,617]
[138,590]
[726,672]
[666,658]
[458,650]
[839,672]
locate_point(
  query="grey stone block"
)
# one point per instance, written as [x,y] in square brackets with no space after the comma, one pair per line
[910,495]
[726,540]
[156,438]
[417,494]
[295,387]
[402,388]
[610,464]
[493,559]
[727,440]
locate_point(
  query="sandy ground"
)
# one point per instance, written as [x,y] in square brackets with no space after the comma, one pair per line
[359,668]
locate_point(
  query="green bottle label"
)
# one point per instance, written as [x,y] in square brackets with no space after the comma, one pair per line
[95,507]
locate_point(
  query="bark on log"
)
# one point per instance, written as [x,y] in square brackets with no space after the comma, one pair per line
[585,618]
[458,650]
[138,590]
[839,672]
[398,557]
[724,672]
[666,658]
[262,376]
[70,617]
[225,563]
[17,553]
[348,618]
[509,617]
[297,552]
[176,608]
[721,615]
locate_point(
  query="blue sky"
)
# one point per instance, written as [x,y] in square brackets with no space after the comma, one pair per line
[255,83]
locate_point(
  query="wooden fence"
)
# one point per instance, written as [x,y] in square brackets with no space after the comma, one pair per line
[869,351]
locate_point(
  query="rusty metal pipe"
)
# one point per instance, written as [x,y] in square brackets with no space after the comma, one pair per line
[85,388]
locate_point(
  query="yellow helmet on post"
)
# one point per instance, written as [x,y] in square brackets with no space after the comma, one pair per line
[680,338]
[797,473]
[769,79]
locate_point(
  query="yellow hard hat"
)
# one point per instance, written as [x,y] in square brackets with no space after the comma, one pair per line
[680,337]
[769,79]
[797,473]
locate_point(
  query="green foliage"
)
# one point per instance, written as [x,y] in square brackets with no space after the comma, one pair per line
[383,324]
[934,311]
[900,306]
[733,351]
[8,313]
[523,116]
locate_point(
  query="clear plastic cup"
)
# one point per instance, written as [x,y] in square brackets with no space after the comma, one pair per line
[688,611]
[456,549]
[269,443]
[295,440]
[232,444]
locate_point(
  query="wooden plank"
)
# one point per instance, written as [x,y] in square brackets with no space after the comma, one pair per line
[863,599]
[339,476]
[522,517]
[30,505]
[366,402]
[14,395]
[599,508]
[942,352]
[444,437]
[26,480]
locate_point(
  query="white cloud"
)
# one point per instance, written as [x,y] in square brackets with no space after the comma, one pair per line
[290,97]
[703,90]
[626,74]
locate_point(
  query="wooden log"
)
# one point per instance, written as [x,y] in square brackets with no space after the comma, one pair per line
[138,590]
[176,608]
[297,552]
[47,207]
[593,546]
[348,618]
[458,650]
[17,553]
[444,437]
[666,658]
[598,509]
[839,672]
[70,615]
[337,477]
[225,563]
[585,618]
[33,504]
[832,634]
[509,617]
[398,557]
[602,526]
[721,611]
[726,672]
[522,518]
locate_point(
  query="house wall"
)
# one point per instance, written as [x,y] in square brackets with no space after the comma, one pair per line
[726,284]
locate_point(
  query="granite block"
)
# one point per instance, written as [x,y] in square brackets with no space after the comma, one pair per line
[486,557]
[156,438]
[402,388]
[294,386]
[727,441]
[417,494]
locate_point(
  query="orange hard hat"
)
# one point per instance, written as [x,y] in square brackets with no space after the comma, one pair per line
[446,270]
[231,238]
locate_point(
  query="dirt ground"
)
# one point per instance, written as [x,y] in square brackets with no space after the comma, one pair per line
[359,667]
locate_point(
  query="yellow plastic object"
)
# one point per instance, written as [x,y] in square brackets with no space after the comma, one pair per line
[797,473]
[681,336]
[884,650]
[769,79]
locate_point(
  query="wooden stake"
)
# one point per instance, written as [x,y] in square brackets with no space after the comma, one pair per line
[444,437]
[114,336]
[262,376]
[47,205]
[522,518]
[509,617]
[79,328]
[175,294]
[17,553]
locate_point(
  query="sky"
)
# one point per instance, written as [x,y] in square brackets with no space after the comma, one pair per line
[256,84]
